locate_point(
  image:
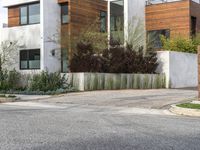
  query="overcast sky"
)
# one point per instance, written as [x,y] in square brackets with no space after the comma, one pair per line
[3,14]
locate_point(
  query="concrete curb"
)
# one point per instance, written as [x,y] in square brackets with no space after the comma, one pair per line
[184,111]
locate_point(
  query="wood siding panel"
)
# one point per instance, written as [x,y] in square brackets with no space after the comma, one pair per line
[13,16]
[85,12]
[81,14]
[173,15]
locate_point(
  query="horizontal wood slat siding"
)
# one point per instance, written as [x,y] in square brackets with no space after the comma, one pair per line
[195,12]
[13,16]
[82,13]
[85,12]
[173,15]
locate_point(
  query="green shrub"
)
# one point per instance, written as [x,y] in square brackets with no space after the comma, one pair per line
[47,82]
[9,80]
[180,44]
[117,59]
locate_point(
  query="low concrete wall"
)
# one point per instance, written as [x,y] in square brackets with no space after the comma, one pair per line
[180,68]
[106,81]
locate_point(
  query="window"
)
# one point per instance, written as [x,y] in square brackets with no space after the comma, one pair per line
[117,15]
[30,59]
[34,13]
[30,14]
[103,16]
[193,26]
[64,13]
[153,37]
[23,15]
[117,21]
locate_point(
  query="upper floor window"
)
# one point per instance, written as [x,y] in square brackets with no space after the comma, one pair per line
[30,14]
[64,13]
[103,16]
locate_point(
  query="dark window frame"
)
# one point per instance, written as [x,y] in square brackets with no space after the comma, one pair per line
[28,59]
[61,12]
[27,9]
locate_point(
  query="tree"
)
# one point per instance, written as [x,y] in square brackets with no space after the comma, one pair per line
[8,52]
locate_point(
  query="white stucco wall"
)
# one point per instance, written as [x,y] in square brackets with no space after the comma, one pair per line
[27,37]
[50,25]
[181,69]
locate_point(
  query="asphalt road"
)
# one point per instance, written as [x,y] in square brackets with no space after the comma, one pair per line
[44,126]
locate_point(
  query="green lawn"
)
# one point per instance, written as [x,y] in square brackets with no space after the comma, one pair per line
[190,105]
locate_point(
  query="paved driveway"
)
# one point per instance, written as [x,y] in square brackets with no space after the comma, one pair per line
[152,99]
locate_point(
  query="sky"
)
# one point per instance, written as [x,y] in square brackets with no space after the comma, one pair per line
[3,14]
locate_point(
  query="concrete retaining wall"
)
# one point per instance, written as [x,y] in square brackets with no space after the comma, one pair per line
[105,81]
[180,68]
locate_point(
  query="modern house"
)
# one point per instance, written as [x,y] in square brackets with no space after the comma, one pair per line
[40,26]
[172,18]
[34,23]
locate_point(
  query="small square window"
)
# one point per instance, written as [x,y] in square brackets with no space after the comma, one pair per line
[30,59]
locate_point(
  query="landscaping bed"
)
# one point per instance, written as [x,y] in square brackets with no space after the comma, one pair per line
[190,106]
[187,109]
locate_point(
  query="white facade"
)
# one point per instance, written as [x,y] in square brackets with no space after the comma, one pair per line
[181,69]
[36,36]
[50,25]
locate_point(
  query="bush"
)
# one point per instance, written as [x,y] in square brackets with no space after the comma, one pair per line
[47,82]
[85,60]
[9,80]
[181,44]
[127,60]
[117,59]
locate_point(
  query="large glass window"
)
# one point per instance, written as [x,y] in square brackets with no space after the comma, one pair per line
[34,13]
[103,18]
[30,14]
[30,59]
[64,13]
[154,39]
[117,20]
[23,15]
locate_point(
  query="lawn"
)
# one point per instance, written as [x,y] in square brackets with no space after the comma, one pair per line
[190,105]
